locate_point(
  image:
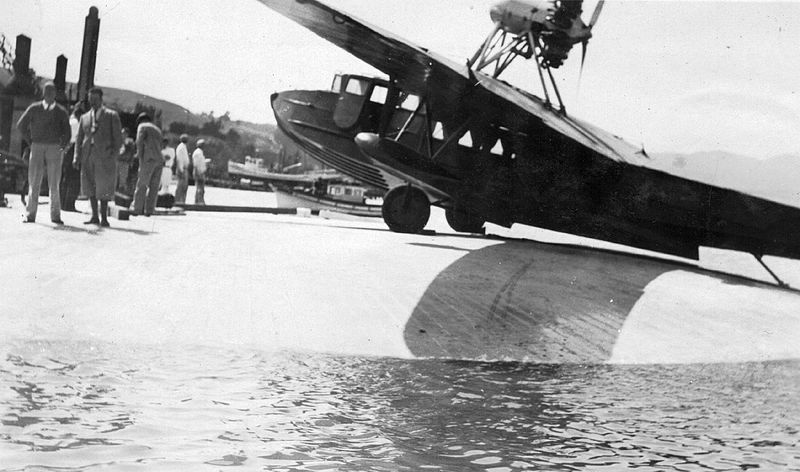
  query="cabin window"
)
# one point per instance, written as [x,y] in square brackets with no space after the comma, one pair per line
[497,150]
[336,86]
[357,87]
[438,131]
[410,102]
[466,140]
[378,94]
[348,191]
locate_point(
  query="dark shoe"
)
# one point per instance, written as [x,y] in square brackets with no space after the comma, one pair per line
[58,222]
[105,224]
[148,215]
[93,221]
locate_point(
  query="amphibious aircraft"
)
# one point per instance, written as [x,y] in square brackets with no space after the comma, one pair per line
[457,136]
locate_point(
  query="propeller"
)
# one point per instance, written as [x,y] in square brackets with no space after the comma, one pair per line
[595,16]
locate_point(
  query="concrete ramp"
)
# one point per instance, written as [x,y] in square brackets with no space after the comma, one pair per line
[277,282]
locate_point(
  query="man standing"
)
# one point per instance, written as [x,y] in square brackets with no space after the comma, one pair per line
[199,163]
[97,147]
[182,170]
[148,151]
[124,161]
[45,125]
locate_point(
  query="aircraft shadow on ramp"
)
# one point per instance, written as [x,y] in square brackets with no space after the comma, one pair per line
[535,302]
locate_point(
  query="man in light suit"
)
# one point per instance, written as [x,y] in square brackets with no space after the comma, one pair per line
[96,148]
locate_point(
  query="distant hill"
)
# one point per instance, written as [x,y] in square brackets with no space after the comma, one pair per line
[776,178]
[125,100]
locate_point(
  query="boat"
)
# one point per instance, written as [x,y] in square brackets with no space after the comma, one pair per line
[339,195]
[252,173]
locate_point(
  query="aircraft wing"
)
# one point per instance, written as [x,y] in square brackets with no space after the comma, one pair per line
[445,82]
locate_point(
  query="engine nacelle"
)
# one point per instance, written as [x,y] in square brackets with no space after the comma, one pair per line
[557,22]
[519,17]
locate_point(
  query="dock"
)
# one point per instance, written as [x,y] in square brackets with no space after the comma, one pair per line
[348,285]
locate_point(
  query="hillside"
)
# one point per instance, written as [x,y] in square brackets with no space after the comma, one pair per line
[126,100]
[776,178]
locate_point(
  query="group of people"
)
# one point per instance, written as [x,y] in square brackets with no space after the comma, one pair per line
[178,159]
[91,148]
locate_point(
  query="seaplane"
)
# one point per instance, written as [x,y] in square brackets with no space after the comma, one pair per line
[457,136]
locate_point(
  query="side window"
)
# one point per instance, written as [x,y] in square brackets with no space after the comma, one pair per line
[378,94]
[410,102]
[497,150]
[438,131]
[466,140]
[336,86]
[356,87]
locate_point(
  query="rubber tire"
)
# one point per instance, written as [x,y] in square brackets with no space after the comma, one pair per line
[464,222]
[406,209]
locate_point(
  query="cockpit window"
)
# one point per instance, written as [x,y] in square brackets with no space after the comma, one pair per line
[337,83]
[378,94]
[357,86]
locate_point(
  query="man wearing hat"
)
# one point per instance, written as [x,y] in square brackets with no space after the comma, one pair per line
[182,169]
[96,148]
[148,151]
[199,164]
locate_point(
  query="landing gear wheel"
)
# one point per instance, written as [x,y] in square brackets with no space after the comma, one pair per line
[406,209]
[464,221]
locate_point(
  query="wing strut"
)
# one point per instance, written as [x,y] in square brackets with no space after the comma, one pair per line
[781,283]
[541,76]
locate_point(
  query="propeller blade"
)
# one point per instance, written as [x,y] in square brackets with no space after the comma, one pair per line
[585,47]
[585,44]
[597,9]
[596,13]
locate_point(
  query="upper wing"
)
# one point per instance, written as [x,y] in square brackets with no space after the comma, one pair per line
[448,85]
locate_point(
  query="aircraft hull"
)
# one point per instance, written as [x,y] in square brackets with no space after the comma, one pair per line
[553,182]
[306,117]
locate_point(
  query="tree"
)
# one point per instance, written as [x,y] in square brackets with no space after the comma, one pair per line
[6,53]
[24,82]
[151,110]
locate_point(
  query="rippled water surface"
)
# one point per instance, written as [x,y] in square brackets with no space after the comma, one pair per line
[67,406]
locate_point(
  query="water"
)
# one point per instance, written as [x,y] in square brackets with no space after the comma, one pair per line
[76,406]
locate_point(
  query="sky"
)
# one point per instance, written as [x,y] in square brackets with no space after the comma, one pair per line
[671,76]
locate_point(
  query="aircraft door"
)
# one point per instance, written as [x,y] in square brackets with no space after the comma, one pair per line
[352,98]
